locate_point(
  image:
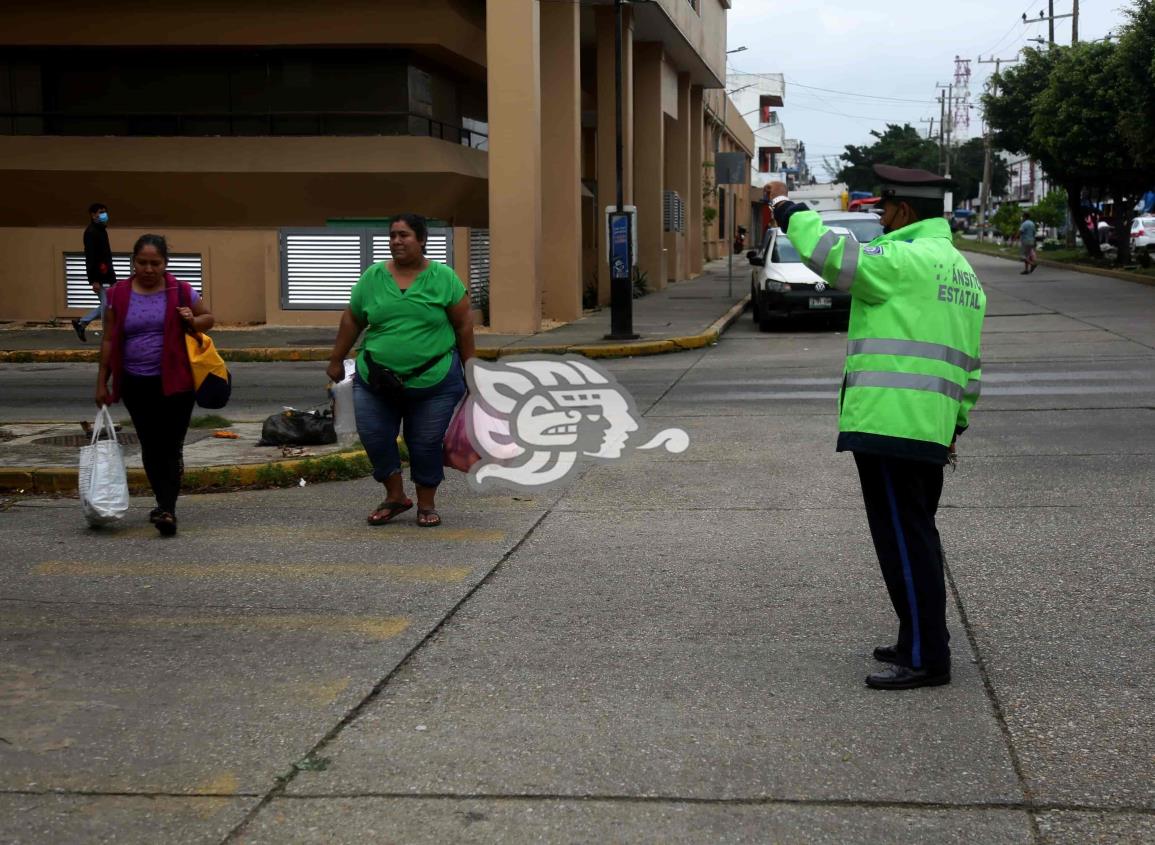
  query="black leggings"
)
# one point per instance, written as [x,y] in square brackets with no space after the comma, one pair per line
[161,423]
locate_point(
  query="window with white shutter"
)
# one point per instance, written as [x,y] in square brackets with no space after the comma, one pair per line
[78,293]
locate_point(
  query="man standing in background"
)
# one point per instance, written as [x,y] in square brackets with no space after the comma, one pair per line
[1027,244]
[97,265]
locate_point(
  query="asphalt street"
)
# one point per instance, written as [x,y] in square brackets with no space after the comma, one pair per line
[668,649]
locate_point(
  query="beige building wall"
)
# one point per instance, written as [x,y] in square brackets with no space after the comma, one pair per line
[237,266]
[226,197]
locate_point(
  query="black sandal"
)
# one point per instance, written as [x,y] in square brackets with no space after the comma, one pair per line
[165,523]
[428,518]
[387,510]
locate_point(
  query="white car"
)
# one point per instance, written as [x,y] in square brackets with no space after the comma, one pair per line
[781,286]
[1143,233]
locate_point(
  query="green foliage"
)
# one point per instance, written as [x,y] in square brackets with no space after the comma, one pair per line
[1136,59]
[901,146]
[1007,219]
[967,161]
[210,421]
[641,283]
[1051,210]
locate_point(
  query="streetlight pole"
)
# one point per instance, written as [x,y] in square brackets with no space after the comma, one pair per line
[728,236]
[620,235]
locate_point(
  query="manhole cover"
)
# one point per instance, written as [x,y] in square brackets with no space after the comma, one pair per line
[78,440]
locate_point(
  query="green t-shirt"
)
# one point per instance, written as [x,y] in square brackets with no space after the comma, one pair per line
[404,329]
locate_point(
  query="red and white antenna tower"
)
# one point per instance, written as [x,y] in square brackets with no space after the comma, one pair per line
[962,94]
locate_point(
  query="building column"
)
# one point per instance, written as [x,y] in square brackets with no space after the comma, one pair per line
[513,55]
[649,161]
[561,149]
[694,229]
[678,179]
[607,133]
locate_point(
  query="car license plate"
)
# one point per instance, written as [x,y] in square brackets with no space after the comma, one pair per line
[820,302]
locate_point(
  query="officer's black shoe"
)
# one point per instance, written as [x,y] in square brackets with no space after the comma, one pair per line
[903,677]
[887,654]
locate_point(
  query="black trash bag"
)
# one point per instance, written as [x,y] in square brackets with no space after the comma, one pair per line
[298,428]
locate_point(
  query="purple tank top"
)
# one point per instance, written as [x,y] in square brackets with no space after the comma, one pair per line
[144,332]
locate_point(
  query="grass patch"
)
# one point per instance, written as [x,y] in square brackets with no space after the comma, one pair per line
[210,421]
[1061,255]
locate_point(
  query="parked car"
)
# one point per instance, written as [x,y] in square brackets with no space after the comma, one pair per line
[782,287]
[1143,233]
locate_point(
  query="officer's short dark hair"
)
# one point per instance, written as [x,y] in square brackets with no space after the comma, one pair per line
[97,207]
[925,208]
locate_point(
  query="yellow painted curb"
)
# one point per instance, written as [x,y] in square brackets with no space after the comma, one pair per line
[55,480]
[314,353]
[1122,275]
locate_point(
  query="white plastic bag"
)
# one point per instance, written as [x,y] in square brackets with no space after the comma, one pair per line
[344,415]
[103,481]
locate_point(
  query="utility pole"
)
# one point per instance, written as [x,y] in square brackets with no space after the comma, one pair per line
[948,125]
[941,126]
[1051,17]
[988,152]
[930,129]
[1051,22]
[1075,23]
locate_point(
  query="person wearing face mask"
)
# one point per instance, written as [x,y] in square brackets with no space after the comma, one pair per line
[911,377]
[97,265]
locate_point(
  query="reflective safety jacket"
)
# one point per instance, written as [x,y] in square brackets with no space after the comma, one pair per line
[912,370]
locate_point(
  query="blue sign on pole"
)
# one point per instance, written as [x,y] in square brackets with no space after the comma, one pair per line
[621,262]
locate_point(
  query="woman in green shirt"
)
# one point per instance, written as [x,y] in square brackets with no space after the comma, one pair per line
[418,326]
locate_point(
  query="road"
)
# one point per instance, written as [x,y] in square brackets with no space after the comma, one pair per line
[670,649]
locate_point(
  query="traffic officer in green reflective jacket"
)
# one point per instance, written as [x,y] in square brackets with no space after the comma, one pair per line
[912,376]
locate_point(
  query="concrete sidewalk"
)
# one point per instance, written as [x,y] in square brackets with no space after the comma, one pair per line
[684,315]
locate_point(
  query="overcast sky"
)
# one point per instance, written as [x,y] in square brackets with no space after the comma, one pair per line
[896,49]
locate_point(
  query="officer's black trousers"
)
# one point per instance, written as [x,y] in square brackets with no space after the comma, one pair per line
[901,500]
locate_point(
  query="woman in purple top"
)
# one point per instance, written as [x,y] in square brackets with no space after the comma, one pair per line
[144,353]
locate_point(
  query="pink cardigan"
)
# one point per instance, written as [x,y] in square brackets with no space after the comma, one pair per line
[176,375]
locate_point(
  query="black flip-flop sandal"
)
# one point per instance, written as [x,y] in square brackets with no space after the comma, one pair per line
[390,510]
[428,519]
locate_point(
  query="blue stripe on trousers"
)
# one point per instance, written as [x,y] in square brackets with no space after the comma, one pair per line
[916,649]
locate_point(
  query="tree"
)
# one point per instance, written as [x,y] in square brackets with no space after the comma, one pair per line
[1136,57]
[967,171]
[1010,106]
[1051,210]
[900,146]
[1078,121]
[1006,220]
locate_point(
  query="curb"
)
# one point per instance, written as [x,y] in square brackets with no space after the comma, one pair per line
[1122,275]
[337,466]
[632,349]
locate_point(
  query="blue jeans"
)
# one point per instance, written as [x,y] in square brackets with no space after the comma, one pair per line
[97,313]
[425,411]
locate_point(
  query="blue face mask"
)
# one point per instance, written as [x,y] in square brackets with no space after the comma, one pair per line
[102,217]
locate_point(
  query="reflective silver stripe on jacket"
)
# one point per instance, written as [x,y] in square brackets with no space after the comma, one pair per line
[973,389]
[849,264]
[910,381]
[817,259]
[914,349]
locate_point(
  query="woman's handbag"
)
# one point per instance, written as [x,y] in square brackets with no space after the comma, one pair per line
[103,482]
[457,452]
[212,381]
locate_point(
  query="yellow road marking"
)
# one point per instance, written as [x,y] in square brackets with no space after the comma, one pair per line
[379,628]
[374,627]
[384,533]
[394,571]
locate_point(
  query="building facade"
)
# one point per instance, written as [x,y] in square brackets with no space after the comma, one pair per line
[272,147]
